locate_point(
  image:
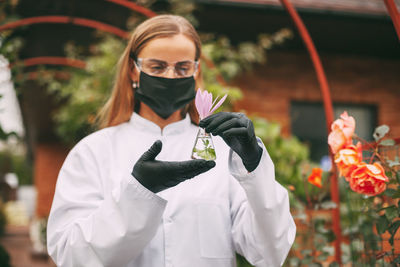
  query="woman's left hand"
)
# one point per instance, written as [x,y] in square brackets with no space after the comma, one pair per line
[238,132]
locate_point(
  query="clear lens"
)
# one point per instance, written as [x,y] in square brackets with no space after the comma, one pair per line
[159,68]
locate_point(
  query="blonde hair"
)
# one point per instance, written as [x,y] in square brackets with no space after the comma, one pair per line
[121,104]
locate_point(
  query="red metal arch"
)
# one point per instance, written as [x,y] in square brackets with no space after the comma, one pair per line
[326,97]
[394,14]
[65,19]
[83,21]
[63,61]
[77,21]
[135,7]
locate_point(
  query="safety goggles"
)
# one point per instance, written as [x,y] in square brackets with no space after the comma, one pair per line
[157,67]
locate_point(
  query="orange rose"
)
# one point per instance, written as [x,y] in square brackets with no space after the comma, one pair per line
[368,179]
[315,177]
[347,159]
[342,132]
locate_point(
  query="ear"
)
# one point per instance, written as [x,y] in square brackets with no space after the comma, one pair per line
[133,71]
[199,77]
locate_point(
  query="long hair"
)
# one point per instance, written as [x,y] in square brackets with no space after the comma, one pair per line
[121,104]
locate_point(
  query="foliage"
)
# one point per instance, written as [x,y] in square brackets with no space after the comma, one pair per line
[12,158]
[289,151]
[10,45]
[233,60]
[7,13]
[358,227]
[86,90]
[15,161]
[4,258]
[313,244]
[3,220]
[38,234]
[387,206]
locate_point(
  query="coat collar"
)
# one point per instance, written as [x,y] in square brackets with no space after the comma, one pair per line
[147,126]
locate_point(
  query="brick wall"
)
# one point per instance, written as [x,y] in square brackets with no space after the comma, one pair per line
[269,89]
[48,161]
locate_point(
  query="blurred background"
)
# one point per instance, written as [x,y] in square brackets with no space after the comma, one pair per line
[57,64]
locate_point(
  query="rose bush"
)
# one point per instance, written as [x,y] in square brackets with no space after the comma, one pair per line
[370,217]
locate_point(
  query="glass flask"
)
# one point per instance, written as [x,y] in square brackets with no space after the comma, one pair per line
[203,146]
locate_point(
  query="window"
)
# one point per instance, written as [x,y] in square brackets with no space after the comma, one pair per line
[308,124]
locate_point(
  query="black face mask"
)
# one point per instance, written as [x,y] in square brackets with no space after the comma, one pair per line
[163,95]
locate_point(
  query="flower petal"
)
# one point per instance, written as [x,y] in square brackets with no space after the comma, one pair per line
[206,103]
[198,102]
[219,103]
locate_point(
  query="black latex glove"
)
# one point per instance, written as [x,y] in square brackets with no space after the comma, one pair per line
[238,132]
[158,175]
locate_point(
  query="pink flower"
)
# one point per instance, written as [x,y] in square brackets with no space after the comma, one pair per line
[337,140]
[342,132]
[346,124]
[204,103]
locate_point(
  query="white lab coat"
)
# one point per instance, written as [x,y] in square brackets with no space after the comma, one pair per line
[101,215]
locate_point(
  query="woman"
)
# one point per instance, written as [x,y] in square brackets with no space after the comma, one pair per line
[129,194]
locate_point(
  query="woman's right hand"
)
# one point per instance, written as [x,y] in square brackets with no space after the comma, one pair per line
[158,175]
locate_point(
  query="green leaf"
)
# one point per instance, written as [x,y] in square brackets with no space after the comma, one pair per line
[326,205]
[391,240]
[392,193]
[397,259]
[380,132]
[334,264]
[307,260]
[294,262]
[398,206]
[382,224]
[391,213]
[393,163]
[306,252]
[387,142]
[207,153]
[394,227]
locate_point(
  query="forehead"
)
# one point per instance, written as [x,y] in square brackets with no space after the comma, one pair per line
[174,48]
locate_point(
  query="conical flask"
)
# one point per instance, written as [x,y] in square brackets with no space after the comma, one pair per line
[203,146]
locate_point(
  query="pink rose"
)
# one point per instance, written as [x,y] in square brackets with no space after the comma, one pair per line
[337,140]
[346,124]
[341,133]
